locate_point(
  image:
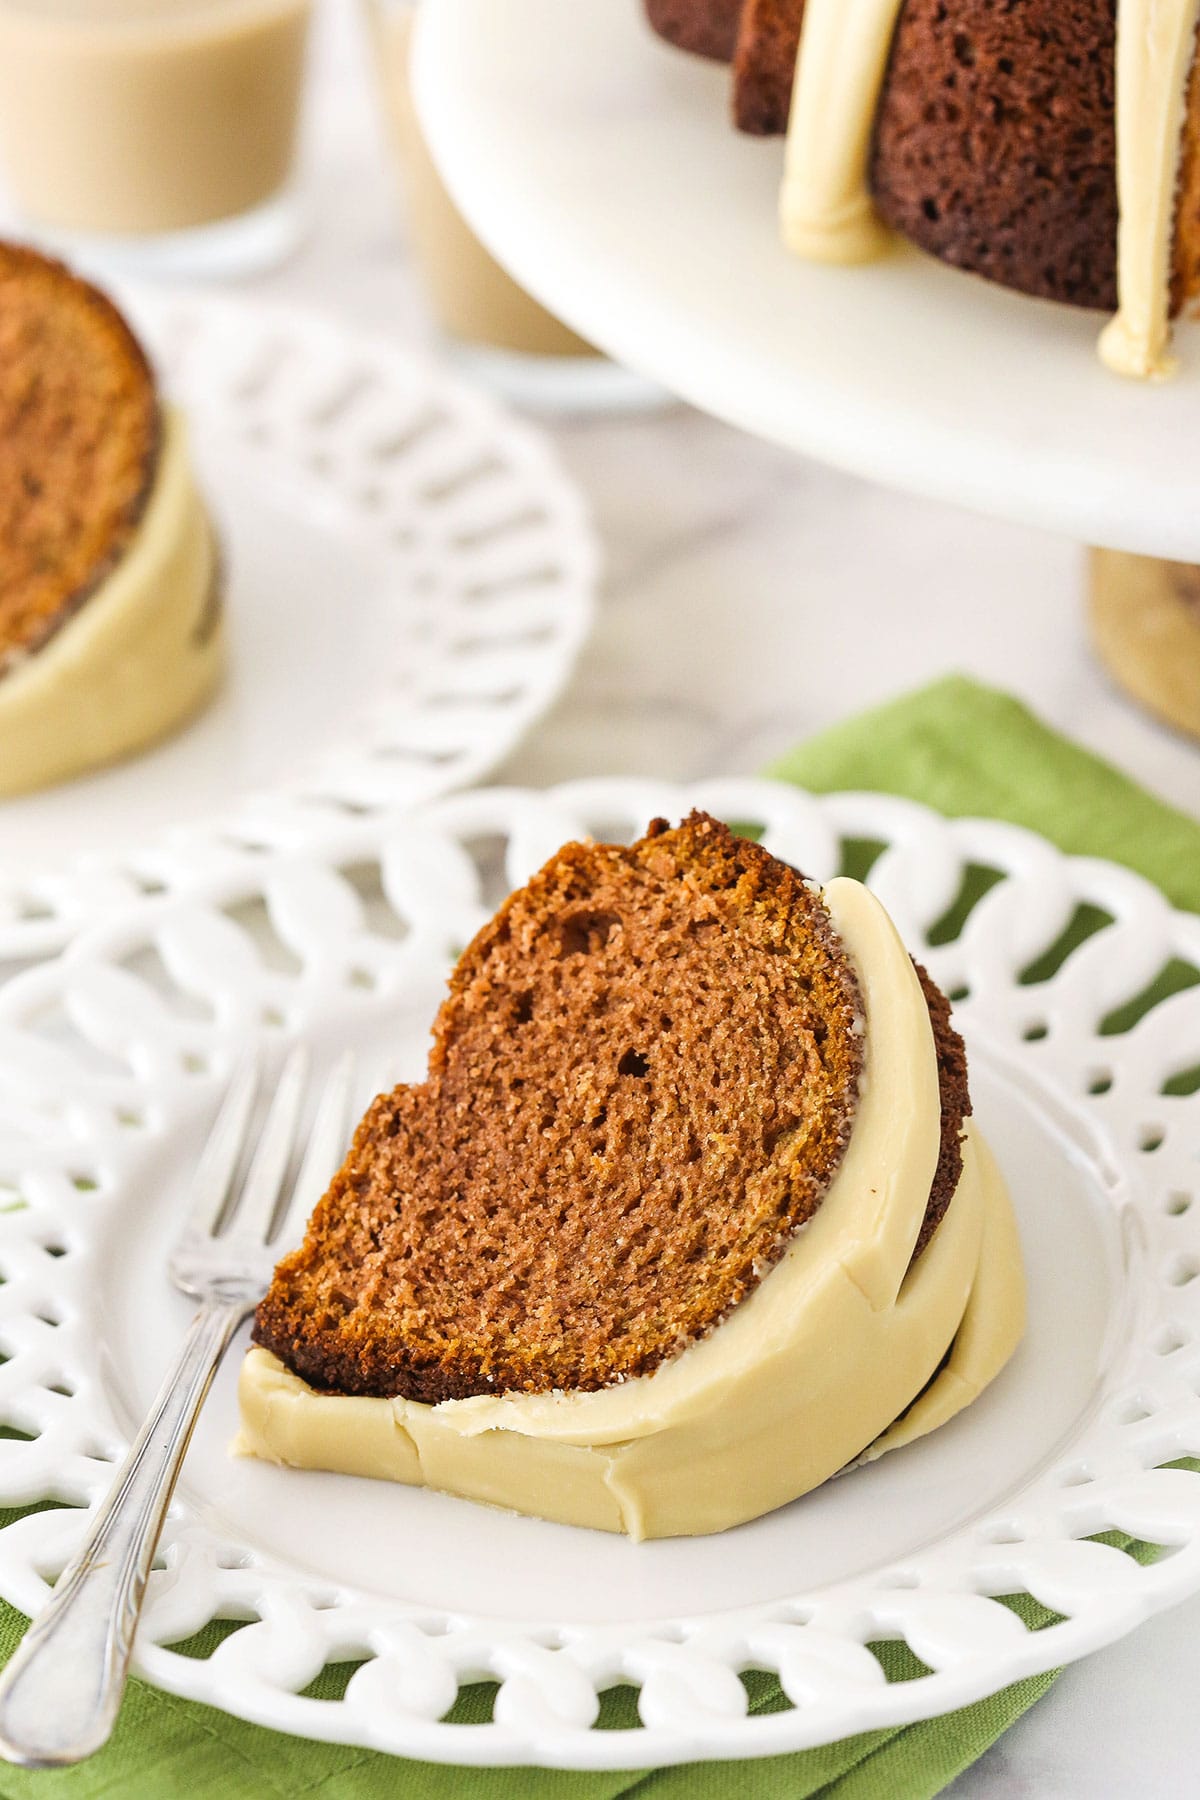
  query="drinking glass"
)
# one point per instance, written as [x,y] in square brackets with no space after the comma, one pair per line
[489,324]
[158,136]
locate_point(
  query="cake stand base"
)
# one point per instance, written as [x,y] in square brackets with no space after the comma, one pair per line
[1145,619]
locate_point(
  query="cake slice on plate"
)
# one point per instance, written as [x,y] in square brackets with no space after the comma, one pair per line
[685,1216]
[110,615]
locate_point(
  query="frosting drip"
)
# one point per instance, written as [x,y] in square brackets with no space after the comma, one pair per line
[827,211]
[1156,43]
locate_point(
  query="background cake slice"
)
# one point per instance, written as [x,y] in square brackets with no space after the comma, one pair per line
[110,619]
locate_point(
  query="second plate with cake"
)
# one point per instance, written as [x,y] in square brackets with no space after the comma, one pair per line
[407,579]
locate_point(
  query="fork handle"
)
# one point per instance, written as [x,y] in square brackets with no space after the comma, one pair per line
[61,1692]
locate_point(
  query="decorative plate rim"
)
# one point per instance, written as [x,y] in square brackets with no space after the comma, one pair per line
[944,1602]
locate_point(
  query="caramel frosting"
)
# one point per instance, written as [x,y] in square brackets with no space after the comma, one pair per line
[142,653]
[817,1366]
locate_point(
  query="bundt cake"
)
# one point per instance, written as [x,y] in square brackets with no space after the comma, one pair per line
[110,628]
[1052,148]
[690,1188]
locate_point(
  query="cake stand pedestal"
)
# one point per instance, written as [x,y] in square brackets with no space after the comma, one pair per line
[598,166]
[1145,619]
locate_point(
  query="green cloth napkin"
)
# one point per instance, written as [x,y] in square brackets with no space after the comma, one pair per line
[964,749]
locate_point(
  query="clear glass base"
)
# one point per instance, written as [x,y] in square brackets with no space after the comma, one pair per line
[245,245]
[558,386]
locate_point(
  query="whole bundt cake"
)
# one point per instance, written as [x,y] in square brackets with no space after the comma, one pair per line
[1052,147]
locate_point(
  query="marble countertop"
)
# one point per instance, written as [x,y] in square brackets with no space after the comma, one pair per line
[750,599]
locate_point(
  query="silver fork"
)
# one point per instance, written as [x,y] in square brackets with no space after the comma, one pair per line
[61,1692]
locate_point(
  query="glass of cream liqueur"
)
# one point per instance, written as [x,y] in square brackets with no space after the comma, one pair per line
[157,134]
[490,325]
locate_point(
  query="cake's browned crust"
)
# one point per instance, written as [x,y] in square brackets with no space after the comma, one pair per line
[955,1105]
[641,1083]
[705,27]
[764,65]
[995,142]
[79,438]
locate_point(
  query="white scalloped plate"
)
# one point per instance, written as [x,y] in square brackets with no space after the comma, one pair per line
[410,580]
[111,1061]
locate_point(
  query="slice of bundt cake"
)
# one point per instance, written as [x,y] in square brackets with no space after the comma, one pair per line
[677,1132]
[79,446]
[109,623]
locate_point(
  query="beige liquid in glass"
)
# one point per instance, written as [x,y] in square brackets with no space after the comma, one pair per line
[474,300]
[144,116]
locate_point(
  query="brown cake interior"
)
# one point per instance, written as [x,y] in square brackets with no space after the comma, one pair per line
[79,435]
[641,1083]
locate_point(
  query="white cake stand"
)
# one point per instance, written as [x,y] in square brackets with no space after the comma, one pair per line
[599,165]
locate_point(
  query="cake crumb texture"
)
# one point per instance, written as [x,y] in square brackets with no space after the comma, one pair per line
[641,1083]
[79,438]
